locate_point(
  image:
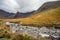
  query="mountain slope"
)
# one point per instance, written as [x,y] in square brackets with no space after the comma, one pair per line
[44,7]
[7,15]
[49,5]
[45,18]
[4,14]
[23,15]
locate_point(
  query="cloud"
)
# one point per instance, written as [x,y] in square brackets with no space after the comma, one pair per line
[9,5]
[21,5]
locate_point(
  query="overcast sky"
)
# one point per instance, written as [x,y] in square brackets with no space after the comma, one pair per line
[21,5]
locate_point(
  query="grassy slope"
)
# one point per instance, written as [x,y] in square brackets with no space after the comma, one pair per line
[46,18]
[42,19]
[39,19]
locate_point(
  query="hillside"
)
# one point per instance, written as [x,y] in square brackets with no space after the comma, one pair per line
[46,18]
[23,15]
[49,5]
[46,6]
[4,14]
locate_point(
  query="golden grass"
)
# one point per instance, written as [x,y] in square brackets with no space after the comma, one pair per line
[45,18]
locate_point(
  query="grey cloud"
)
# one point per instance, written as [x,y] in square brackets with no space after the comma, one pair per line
[21,5]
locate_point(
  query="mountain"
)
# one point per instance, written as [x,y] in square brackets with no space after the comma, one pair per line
[4,14]
[23,15]
[46,18]
[49,5]
[44,7]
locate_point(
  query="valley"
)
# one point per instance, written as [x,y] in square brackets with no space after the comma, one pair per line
[41,24]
